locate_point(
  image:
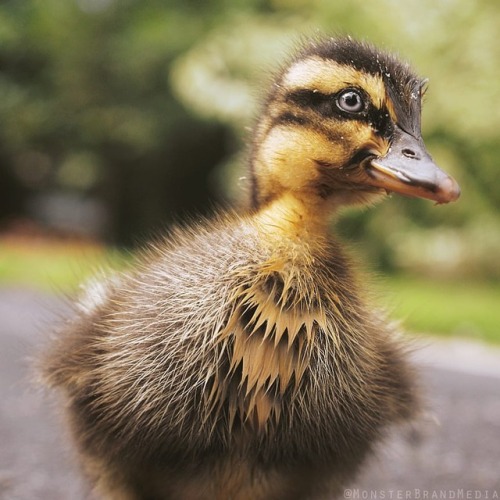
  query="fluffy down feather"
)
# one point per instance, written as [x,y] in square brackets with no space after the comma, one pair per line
[185,368]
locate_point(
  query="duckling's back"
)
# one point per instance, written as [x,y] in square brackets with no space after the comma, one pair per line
[229,364]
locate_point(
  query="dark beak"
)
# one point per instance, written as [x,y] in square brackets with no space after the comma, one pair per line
[409,169]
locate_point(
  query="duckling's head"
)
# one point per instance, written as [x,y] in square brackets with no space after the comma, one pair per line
[342,124]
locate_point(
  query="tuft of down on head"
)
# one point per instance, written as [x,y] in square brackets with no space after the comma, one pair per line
[306,143]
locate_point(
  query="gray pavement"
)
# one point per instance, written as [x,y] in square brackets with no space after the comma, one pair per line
[453,452]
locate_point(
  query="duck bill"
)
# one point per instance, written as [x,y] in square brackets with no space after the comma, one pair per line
[408,169]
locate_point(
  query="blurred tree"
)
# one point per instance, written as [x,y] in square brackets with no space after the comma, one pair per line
[87,111]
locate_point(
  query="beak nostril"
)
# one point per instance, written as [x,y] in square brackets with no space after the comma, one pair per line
[409,153]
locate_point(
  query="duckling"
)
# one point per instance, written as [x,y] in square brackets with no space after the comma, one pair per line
[239,358]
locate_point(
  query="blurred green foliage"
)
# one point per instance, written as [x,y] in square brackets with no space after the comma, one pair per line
[144,107]
[425,305]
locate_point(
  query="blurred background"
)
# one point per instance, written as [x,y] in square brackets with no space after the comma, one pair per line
[121,116]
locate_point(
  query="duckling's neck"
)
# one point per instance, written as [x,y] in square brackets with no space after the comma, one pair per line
[296,217]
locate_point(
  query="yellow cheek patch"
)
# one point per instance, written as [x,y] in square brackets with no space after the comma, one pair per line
[328,77]
[288,154]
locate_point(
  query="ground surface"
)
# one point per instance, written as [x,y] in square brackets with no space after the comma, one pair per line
[455,452]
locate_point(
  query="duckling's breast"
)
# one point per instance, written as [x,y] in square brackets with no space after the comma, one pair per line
[220,339]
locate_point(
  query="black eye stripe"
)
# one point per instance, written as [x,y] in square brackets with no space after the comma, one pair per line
[308,98]
[381,121]
[326,106]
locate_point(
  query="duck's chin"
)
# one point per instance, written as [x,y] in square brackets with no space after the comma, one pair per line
[357,197]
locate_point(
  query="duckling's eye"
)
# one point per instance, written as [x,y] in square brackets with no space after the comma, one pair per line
[351,101]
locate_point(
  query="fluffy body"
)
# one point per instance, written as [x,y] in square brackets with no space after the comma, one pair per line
[272,384]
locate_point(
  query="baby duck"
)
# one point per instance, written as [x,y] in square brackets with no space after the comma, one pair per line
[238,359]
